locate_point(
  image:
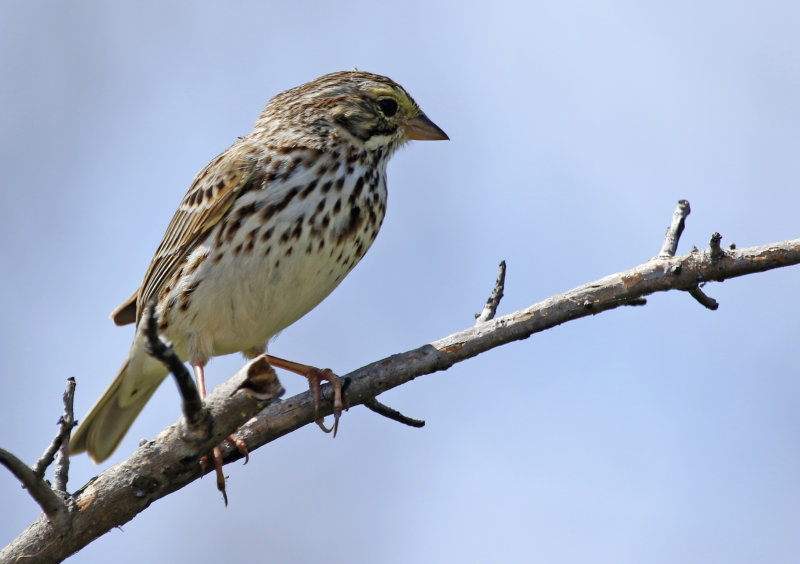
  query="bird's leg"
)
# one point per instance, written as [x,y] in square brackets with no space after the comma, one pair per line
[216,453]
[315,376]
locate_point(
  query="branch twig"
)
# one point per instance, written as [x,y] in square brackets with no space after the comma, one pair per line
[703,299]
[66,424]
[383,409]
[675,229]
[490,309]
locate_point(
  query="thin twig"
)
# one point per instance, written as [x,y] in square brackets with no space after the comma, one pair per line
[673,235]
[157,348]
[66,423]
[703,299]
[715,247]
[383,409]
[490,309]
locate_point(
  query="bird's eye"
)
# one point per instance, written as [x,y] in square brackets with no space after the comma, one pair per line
[387,106]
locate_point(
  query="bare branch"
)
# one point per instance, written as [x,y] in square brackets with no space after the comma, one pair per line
[382,409]
[169,462]
[675,229]
[490,309]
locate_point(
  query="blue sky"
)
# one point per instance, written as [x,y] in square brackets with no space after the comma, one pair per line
[659,434]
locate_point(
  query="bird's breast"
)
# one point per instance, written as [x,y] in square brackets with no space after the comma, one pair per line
[277,253]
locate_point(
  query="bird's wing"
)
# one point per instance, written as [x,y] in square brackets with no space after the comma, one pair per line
[211,194]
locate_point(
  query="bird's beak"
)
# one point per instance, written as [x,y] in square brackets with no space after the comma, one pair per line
[421,129]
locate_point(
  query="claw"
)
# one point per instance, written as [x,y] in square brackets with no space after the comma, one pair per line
[217,454]
[315,376]
[240,446]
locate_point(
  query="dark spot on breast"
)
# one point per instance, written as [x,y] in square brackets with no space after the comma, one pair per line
[326,187]
[268,210]
[337,207]
[326,220]
[309,248]
[237,249]
[288,252]
[267,234]
[358,187]
[232,226]
[290,195]
[339,183]
[308,189]
[268,250]
[353,224]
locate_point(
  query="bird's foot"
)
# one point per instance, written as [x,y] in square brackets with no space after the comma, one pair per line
[315,377]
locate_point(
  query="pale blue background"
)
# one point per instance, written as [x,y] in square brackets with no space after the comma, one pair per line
[659,434]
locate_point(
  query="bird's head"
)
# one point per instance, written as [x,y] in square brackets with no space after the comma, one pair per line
[358,108]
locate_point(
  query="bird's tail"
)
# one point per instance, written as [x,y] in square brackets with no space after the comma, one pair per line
[108,421]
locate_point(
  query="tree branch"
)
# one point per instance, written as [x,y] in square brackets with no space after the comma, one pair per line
[169,462]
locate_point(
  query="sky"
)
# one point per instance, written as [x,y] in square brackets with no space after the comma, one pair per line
[665,433]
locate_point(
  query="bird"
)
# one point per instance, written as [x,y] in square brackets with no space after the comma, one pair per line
[265,232]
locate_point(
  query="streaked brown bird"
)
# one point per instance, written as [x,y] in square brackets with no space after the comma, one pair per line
[265,232]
